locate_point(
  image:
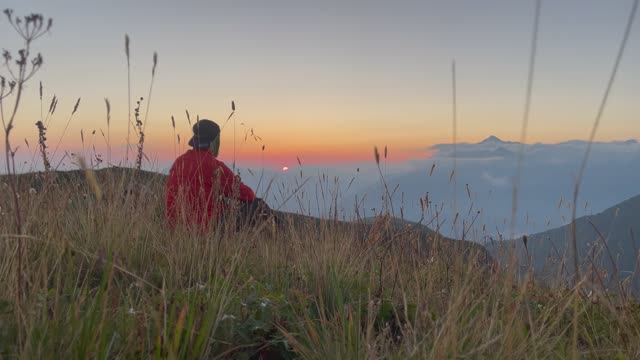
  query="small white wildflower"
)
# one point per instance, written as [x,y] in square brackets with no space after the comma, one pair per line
[131,311]
[264,303]
[33,191]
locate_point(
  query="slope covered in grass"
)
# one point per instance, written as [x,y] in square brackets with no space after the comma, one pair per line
[607,245]
[101,276]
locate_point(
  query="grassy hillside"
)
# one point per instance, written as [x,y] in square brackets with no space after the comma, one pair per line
[607,246]
[96,273]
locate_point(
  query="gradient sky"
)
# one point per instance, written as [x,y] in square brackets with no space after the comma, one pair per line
[328,80]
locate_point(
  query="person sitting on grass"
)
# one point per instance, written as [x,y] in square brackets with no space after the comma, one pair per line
[200,188]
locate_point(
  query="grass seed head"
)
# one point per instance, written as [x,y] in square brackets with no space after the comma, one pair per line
[155,64]
[376,155]
[126,47]
[108,105]
[75,107]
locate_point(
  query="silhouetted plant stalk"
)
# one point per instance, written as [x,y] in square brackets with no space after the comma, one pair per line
[42,141]
[525,116]
[173,126]
[22,69]
[64,131]
[583,165]
[594,129]
[153,77]
[454,119]
[233,111]
[108,105]
[140,128]
[141,125]
[128,55]
[52,109]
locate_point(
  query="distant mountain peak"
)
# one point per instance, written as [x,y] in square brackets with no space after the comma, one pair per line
[492,140]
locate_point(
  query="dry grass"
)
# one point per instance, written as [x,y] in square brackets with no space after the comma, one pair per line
[104,277]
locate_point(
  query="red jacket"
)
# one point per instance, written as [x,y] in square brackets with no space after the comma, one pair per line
[197,187]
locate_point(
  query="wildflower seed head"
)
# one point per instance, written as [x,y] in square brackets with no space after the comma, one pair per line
[6,55]
[37,61]
[9,14]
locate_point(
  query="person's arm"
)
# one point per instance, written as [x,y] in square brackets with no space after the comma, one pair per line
[232,186]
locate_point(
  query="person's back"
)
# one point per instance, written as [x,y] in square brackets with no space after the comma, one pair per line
[199,184]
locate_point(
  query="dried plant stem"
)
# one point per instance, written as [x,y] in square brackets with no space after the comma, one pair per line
[153,77]
[126,51]
[525,116]
[9,157]
[141,126]
[64,131]
[583,165]
[29,29]
[454,105]
[594,129]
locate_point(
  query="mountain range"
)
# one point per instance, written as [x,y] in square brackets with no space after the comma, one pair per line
[471,177]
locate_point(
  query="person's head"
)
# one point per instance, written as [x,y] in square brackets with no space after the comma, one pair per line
[206,135]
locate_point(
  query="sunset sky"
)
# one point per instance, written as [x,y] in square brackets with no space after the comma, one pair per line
[328,80]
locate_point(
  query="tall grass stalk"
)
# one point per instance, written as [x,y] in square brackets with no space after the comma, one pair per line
[525,116]
[454,120]
[64,131]
[108,107]
[583,165]
[129,123]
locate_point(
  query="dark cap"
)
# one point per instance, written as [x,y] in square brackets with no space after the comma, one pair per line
[204,133]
